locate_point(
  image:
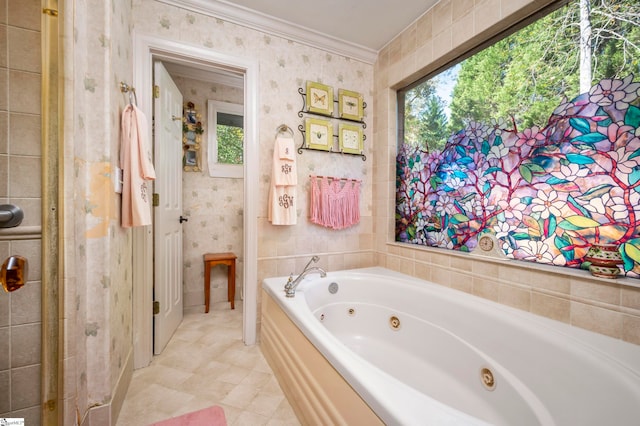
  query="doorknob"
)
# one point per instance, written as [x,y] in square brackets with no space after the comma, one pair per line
[184,219]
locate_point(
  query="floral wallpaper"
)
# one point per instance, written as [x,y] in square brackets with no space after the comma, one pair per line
[547,194]
[284,66]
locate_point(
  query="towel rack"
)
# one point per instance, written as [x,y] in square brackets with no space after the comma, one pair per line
[336,178]
[125,88]
[284,128]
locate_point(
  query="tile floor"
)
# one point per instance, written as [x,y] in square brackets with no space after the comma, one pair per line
[206,363]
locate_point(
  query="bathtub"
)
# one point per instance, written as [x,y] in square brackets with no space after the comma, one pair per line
[416,353]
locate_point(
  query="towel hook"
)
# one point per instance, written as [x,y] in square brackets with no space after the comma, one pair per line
[125,88]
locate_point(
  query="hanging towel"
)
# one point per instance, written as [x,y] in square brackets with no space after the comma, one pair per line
[137,168]
[335,205]
[284,178]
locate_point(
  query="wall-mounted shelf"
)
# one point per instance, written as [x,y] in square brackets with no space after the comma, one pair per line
[350,138]
[304,146]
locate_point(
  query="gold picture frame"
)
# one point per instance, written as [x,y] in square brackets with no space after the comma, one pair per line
[350,138]
[319,98]
[350,105]
[318,134]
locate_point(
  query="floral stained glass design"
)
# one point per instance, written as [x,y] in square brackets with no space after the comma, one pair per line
[547,194]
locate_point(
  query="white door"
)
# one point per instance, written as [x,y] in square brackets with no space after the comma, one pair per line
[167,215]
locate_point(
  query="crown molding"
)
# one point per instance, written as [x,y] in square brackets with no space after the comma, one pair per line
[259,21]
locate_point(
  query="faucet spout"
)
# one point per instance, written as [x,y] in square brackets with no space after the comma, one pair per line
[290,287]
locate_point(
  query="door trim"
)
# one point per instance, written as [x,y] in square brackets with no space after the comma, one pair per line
[146,49]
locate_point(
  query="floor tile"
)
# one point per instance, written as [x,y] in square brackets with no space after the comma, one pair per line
[206,363]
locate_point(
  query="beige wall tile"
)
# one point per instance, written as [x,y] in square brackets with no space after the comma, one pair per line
[4,132]
[549,281]
[25,345]
[24,134]
[408,39]
[550,307]
[630,297]
[25,304]
[5,345]
[5,397]
[462,30]
[24,49]
[24,177]
[23,392]
[513,274]
[486,14]
[4,89]
[424,28]
[441,276]
[631,329]
[515,297]
[4,177]
[484,269]
[461,8]
[442,45]
[597,291]
[596,319]
[3,11]
[422,271]
[461,282]
[442,16]
[486,289]
[440,259]
[461,264]
[3,46]
[24,92]
[24,14]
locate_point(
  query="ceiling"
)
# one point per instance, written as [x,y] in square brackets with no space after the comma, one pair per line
[355,28]
[369,23]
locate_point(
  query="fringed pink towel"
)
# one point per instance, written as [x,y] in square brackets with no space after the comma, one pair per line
[137,168]
[335,204]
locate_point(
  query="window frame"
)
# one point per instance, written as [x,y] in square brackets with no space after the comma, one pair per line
[216,169]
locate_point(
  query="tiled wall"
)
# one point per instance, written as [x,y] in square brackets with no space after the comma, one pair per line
[446,31]
[214,206]
[20,313]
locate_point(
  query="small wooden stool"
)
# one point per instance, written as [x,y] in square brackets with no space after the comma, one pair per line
[211,260]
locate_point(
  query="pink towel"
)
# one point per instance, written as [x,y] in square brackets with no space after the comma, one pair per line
[137,168]
[284,178]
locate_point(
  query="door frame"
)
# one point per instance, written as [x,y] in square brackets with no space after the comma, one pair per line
[146,49]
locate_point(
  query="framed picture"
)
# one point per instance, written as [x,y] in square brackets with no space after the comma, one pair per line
[319,98]
[350,138]
[350,105]
[318,134]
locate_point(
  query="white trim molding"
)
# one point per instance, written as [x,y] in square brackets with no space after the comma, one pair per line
[268,24]
[147,49]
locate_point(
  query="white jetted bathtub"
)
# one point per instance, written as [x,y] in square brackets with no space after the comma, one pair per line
[416,353]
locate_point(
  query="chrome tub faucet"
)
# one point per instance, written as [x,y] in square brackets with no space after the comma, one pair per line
[290,286]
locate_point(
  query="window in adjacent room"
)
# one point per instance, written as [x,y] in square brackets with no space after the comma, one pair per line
[226,139]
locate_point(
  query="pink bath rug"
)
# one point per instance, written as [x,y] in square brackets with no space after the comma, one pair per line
[212,416]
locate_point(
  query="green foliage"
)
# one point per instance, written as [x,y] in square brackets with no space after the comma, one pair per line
[425,118]
[230,144]
[526,75]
